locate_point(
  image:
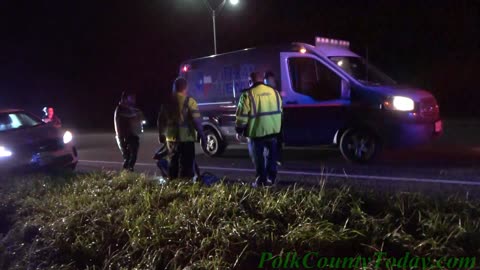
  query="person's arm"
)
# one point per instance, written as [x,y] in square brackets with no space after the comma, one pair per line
[196,117]
[280,103]
[140,115]
[58,122]
[242,114]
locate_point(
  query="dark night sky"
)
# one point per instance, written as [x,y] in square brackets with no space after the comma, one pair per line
[79,55]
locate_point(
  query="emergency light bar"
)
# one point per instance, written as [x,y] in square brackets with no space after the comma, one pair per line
[330,41]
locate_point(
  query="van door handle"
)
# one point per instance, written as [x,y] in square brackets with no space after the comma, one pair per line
[291,102]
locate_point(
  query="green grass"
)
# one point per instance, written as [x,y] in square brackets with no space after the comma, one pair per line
[127,221]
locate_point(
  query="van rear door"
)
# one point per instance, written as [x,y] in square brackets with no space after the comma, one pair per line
[316,98]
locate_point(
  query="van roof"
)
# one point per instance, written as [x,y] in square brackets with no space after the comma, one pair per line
[285,47]
[332,50]
[324,50]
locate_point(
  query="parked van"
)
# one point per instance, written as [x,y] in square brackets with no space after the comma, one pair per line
[331,96]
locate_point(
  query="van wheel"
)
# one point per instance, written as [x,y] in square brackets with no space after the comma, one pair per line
[359,145]
[215,145]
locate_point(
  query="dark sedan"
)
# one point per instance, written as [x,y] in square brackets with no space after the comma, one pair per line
[27,143]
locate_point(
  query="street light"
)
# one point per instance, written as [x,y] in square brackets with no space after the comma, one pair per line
[214,12]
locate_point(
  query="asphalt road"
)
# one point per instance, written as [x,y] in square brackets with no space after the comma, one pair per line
[452,160]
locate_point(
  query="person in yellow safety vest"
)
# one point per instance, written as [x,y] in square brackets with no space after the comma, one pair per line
[259,118]
[178,123]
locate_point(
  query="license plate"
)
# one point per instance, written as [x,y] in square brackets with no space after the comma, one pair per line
[438,126]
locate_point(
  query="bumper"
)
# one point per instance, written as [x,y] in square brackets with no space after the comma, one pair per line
[63,158]
[411,134]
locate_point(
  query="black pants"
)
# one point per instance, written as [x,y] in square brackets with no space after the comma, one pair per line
[129,148]
[280,147]
[182,160]
[265,165]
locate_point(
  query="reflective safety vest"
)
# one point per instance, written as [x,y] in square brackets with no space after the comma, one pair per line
[259,112]
[183,130]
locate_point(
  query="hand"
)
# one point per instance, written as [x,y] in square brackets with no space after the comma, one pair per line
[240,138]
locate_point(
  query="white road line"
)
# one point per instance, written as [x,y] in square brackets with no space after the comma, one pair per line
[320,174]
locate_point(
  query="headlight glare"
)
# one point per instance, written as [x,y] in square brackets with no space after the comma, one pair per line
[399,103]
[4,152]
[67,137]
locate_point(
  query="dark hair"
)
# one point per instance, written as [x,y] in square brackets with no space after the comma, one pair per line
[46,108]
[255,77]
[171,106]
[268,74]
[179,85]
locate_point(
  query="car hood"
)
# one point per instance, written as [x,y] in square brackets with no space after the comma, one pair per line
[29,136]
[413,93]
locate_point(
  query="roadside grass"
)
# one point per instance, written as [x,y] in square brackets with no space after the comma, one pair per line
[128,221]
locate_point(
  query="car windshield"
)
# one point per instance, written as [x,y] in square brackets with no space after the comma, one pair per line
[16,120]
[363,72]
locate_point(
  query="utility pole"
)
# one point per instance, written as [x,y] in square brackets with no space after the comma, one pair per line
[214,12]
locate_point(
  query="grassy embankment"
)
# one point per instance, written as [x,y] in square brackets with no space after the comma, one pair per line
[127,221]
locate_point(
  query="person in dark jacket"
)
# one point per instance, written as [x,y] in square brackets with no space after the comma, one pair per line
[51,118]
[128,127]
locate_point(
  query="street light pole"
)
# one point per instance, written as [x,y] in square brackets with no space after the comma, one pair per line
[214,12]
[214,32]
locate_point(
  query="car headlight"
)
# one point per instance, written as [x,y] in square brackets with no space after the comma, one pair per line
[399,103]
[67,137]
[4,152]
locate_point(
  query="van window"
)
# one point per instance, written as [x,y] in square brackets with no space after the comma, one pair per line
[363,71]
[310,77]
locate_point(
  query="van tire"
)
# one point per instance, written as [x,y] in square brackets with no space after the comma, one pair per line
[359,145]
[215,145]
